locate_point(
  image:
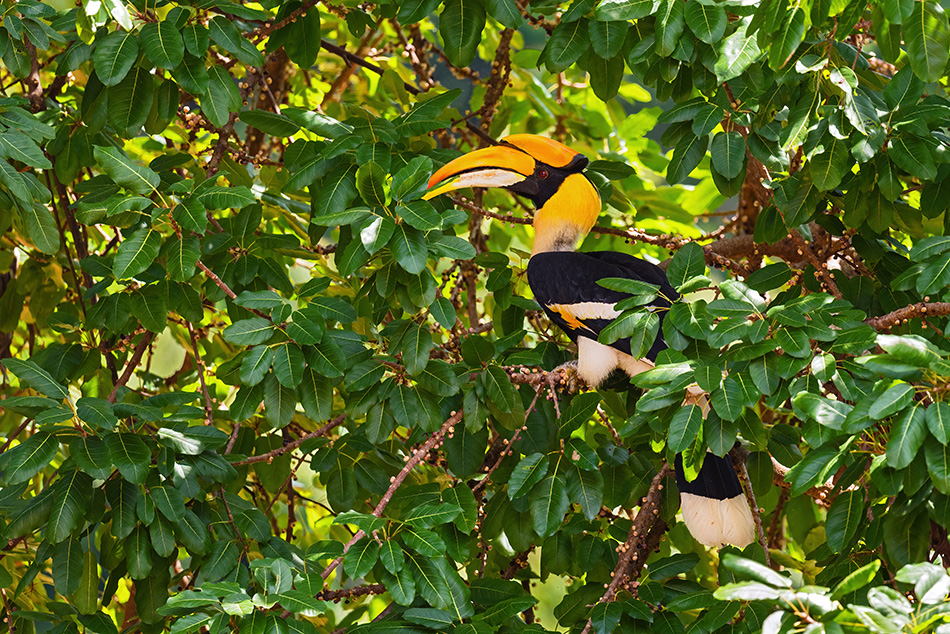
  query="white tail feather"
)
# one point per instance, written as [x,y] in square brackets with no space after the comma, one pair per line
[718,522]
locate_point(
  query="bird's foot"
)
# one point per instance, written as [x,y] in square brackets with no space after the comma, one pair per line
[566,376]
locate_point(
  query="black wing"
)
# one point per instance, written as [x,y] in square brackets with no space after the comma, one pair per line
[561,278]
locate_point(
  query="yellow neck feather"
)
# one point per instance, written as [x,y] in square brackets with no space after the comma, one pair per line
[567,216]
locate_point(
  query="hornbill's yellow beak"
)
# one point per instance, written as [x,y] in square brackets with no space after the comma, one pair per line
[548,173]
[520,163]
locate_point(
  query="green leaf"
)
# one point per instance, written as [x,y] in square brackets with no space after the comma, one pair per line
[429,617]
[361,557]
[686,156]
[927,38]
[270,122]
[707,21]
[371,184]
[769,277]
[162,44]
[460,27]
[191,215]
[935,275]
[605,75]
[169,502]
[303,40]
[856,580]
[392,556]
[894,399]
[505,11]
[197,39]
[429,515]
[938,464]
[938,421]
[498,387]
[586,489]
[289,364]
[137,253]
[86,596]
[409,249]
[913,155]
[904,542]
[20,147]
[462,497]
[249,332]
[907,433]
[728,152]
[256,363]
[670,19]
[92,456]
[182,257]
[829,167]
[193,534]
[688,262]
[625,9]
[844,518]
[22,462]
[797,206]
[567,43]
[707,117]
[548,503]
[789,36]
[605,617]
[221,98]
[737,53]
[728,401]
[32,375]
[222,558]
[41,226]
[685,426]
[424,541]
[125,172]
[279,402]
[527,473]
[114,56]
[130,455]
[224,33]
[67,566]
[755,571]
[606,38]
[415,344]
[70,500]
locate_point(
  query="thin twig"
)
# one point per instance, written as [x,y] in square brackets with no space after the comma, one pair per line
[227,509]
[270,455]
[132,364]
[199,364]
[417,456]
[739,456]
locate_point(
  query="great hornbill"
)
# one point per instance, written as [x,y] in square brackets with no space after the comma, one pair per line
[564,282]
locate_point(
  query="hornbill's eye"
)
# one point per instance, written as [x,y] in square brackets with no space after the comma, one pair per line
[542,173]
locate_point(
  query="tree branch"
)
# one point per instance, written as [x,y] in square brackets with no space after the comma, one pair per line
[921,309]
[632,555]
[350,593]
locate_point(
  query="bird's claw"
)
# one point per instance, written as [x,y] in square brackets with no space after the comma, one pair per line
[566,376]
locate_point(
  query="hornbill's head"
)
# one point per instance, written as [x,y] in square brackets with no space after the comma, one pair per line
[546,172]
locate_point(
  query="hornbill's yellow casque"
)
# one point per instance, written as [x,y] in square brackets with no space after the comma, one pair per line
[564,282]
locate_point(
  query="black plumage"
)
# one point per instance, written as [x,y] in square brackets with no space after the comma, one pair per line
[566,277]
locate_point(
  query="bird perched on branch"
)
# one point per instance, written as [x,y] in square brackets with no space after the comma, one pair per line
[565,284]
